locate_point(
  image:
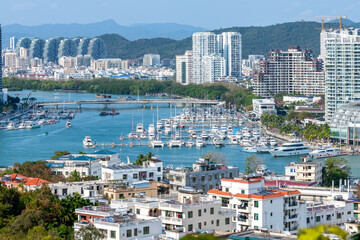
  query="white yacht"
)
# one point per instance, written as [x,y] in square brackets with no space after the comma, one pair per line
[218,142]
[139,128]
[22,125]
[175,143]
[204,135]
[291,149]
[325,152]
[159,124]
[151,131]
[190,144]
[200,142]
[273,142]
[167,130]
[193,134]
[87,142]
[157,143]
[32,124]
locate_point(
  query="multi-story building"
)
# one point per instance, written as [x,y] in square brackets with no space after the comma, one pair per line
[291,71]
[203,44]
[151,60]
[183,213]
[67,62]
[118,191]
[340,50]
[22,183]
[213,67]
[10,59]
[150,170]
[257,207]
[230,50]
[1,64]
[36,62]
[306,171]
[118,223]
[261,106]
[106,63]
[184,68]
[85,165]
[203,176]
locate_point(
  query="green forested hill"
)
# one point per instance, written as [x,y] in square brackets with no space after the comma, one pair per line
[256,40]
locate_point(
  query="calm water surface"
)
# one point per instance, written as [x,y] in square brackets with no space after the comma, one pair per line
[32,145]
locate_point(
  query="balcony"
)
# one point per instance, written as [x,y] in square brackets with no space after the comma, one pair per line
[291,218]
[291,205]
[172,220]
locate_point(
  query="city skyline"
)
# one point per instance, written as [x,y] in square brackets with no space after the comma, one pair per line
[240,13]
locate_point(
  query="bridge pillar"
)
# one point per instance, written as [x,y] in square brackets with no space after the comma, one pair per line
[144,105]
[170,105]
[79,106]
[56,107]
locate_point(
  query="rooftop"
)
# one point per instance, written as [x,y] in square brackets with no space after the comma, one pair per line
[104,152]
[124,167]
[15,179]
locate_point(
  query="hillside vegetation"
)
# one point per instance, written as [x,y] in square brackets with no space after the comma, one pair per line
[255,40]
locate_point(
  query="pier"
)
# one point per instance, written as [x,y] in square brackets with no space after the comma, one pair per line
[143,102]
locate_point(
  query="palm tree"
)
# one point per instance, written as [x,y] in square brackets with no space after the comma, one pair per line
[317,233]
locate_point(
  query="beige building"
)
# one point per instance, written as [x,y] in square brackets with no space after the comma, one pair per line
[106,63]
[67,62]
[10,59]
[306,171]
[144,189]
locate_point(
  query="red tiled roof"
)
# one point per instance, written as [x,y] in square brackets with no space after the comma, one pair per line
[26,180]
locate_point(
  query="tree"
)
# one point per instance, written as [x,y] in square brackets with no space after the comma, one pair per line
[252,164]
[74,176]
[143,158]
[317,233]
[40,233]
[217,157]
[334,170]
[58,154]
[89,233]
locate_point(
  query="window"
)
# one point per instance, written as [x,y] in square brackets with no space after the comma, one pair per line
[204,223]
[113,234]
[317,218]
[210,177]
[227,189]
[199,212]
[234,205]
[135,176]
[349,212]
[217,222]
[199,225]
[256,227]
[146,230]
[256,203]
[124,176]
[227,221]
[271,226]
[159,169]
[190,227]
[202,178]
[151,174]
[137,211]
[256,216]
[194,179]
[135,232]
[243,191]
[271,214]
[328,217]
[222,175]
[212,210]
[190,214]
[308,220]
[212,222]
[338,215]
[128,233]
[230,175]
[271,201]
[216,176]
[204,210]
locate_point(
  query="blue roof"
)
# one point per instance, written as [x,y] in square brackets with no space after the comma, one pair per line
[79,158]
[104,152]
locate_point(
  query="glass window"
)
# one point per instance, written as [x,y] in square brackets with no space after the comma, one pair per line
[227,221]
[256,216]
[190,214]
[151,174]
[146,230]
[135,232]
[190,227]
[128,233]
[243,191]
[217,222]
[124,176]
[212,210]
[256,203]
[135,176]
[113,234]
[199,212]
[199,225]
[317,218]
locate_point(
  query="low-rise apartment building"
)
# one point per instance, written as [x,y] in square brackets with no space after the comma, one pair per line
[150,170]
[118,191]
[203,176]
[118,223]
[22,183]
[261,106]
[305,171]
[260,208]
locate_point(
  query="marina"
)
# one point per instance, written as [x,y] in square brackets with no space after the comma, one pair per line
[112,133]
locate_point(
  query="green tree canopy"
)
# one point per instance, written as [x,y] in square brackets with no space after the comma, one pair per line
[334,170]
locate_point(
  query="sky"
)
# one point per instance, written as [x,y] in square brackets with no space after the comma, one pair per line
[209,14]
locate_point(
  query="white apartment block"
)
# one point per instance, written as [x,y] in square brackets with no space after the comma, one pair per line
[151,60]
[10,59]
[150,170]
[203,44]
[340,50]
[106,63]
[67,62]
[213,67]
[226,45]
[183,213]
[184,68]
[230,49]
[259,208]
[118,224]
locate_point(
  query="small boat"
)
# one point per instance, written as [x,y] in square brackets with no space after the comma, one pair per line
[11,126]
[190,144]
[87,142]
[193,134]
[157,143]
[167,130]
[45,133]
[204,135]
[22,125]
[32,125]
[132,135]
[68,124]
[218,142]
[175,143]
[139,128]
[159,125]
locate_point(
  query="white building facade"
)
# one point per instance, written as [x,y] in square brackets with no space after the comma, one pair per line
[184,68]
[213,67]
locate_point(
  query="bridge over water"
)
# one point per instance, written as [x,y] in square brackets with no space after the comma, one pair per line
[143,102]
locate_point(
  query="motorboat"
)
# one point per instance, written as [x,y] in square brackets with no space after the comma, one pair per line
[68,124]
[159,125]
[273,142]
[325,152]
[11,126]
[234,140]
[218,142]
[22,125]
[190,144]
[204,135]
[200,142]
[193,134]
[291,149]
[151,131]
[87,142]
[167,130]
[139,128]
[32,124]
[132,135]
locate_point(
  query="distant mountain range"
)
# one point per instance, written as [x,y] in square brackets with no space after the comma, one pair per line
[169,39]
[133,32]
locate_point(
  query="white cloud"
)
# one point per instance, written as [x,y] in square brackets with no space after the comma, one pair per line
[23,6]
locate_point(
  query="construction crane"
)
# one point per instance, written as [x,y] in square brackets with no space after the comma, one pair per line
[328,18]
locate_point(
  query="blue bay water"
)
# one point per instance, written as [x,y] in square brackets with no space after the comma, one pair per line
[31,145]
